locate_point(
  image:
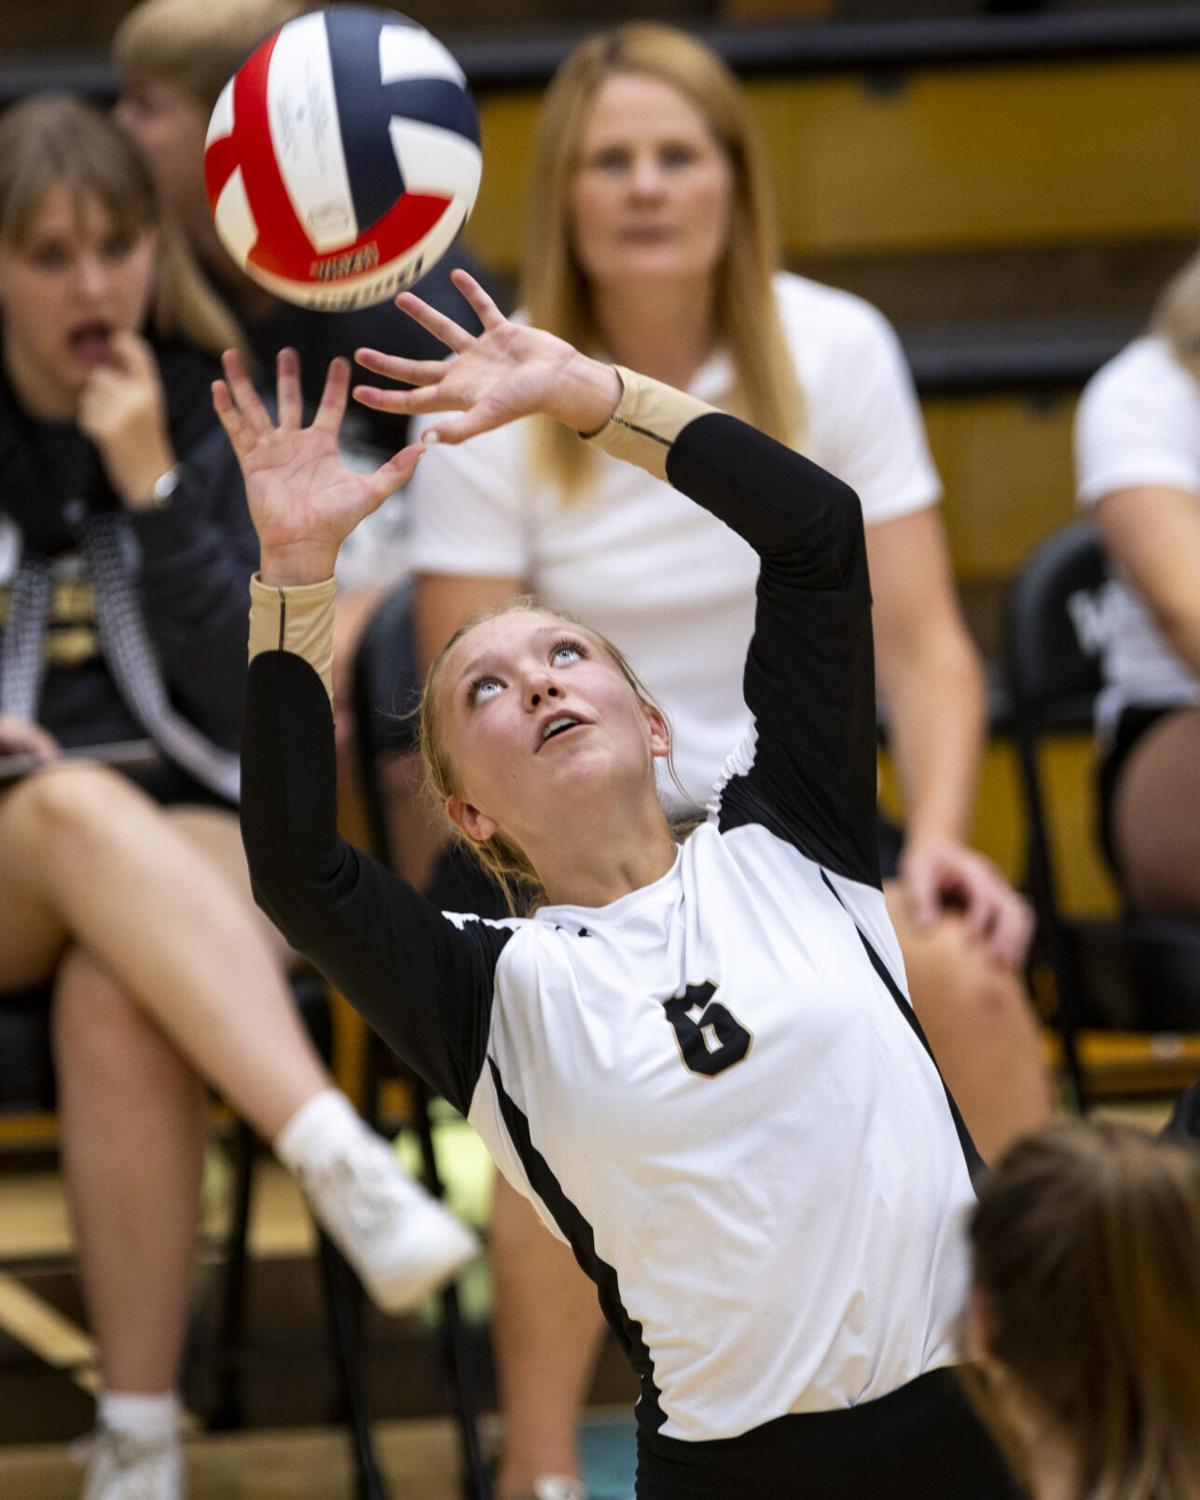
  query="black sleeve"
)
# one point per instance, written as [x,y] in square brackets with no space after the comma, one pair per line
[424,984]
[197,556]
[809,679]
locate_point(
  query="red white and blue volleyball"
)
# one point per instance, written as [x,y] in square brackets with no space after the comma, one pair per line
[343,157]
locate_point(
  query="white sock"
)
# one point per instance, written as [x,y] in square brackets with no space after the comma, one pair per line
[317,1130]
[150,1418]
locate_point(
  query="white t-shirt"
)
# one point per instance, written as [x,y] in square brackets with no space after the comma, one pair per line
[1138,424]
[667,583]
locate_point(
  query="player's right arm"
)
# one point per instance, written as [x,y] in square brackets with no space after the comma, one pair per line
[423,982]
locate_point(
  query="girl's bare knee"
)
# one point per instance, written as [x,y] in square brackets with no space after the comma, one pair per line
[74,799]
[953,980]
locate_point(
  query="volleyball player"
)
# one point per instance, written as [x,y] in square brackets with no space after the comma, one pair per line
[699,1063]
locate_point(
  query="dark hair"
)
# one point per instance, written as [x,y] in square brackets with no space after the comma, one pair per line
[1087,1248]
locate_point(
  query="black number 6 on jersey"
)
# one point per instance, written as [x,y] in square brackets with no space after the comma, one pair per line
[710,1037]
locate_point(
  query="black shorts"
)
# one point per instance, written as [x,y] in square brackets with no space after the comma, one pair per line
[1133,723]
[922,1442]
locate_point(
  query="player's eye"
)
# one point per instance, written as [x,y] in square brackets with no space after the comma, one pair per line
[676,156]
[613,159]
[48,255]
[564,652]
[483,688]
[117,247]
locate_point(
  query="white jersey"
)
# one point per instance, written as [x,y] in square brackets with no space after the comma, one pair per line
[1138,425]
[715,1088]
[791,1240]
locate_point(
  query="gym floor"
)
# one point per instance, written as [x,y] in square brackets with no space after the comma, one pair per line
[288,1445]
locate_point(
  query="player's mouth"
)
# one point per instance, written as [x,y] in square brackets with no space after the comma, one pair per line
[90,342]
[647,234]
[555,727]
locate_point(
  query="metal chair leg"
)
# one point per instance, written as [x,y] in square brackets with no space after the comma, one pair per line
[227,1405]
[456,1352]
[347,1350]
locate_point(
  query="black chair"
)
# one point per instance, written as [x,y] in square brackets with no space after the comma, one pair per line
[27,1086]
[386,691]
[1123,973]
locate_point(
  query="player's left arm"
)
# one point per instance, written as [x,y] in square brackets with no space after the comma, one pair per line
[809,679]
[931,685]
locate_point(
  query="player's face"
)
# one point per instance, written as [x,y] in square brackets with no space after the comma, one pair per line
[652,191]
[533,710]
[168,127]
[74,280]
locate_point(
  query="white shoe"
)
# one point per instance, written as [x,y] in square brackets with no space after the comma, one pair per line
[121,1466]
[558,1487]
[402,1243]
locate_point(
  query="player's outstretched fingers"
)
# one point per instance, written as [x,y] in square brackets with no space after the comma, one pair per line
[483,415]
[396,471]
[332,407]
[239,435]
[254,414]
[444,329]
[288,397]
[397,367]
[408,403]
[482,304]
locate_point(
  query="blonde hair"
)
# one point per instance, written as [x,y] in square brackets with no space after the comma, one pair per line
[556,292]
[1087,1245]
[1177,316]
[53,138]
[196,44]
[506,864]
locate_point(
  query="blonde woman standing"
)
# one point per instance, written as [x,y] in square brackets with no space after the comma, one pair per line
[652,242]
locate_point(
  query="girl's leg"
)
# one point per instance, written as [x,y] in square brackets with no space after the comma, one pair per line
[99,858]
[401,1240]
[546,1331]
[164,910]
[132,1116]
[1156,818]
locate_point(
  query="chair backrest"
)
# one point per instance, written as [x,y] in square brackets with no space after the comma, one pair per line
[387,677]
[386,688]
[1055,631]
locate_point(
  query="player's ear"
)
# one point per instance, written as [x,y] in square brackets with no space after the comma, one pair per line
[469,821]
[660,734]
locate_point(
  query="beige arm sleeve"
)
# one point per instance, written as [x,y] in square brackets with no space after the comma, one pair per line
[299,620]
[648,419]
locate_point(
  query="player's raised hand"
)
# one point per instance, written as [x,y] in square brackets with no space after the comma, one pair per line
[506,371]
[303,499]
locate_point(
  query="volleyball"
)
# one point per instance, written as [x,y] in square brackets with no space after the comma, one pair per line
[342,158]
